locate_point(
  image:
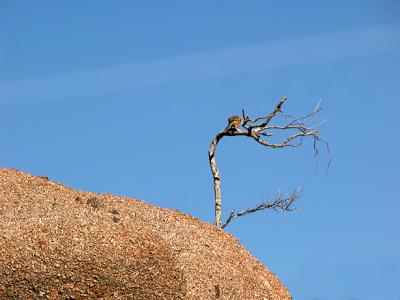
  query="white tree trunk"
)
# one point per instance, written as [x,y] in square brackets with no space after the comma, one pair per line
[217,182]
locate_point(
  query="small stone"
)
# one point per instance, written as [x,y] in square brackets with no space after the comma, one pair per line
[114,211]
[94,202]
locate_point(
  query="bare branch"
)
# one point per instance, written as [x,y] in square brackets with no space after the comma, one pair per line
[281,203]
[266,119]
[299,120]
[272,145]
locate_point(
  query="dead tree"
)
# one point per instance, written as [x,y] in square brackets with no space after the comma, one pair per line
[259,129]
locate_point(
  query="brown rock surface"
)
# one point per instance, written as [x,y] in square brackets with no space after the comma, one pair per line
[59,243]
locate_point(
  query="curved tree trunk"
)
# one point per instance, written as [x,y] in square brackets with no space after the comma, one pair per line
[215,173]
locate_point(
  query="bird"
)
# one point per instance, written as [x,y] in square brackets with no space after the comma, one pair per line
[234,122]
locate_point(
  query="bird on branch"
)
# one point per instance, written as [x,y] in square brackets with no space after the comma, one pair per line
[234,123]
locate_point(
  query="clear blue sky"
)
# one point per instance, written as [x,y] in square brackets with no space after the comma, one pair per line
[124,97]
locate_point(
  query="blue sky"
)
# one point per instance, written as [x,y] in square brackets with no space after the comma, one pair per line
[124,97]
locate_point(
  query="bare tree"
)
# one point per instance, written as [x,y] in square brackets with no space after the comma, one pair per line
[259,129]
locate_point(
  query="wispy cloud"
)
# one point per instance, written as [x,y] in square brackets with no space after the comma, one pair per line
[306,50]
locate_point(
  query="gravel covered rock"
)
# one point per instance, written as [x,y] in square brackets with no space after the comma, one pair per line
[59,243]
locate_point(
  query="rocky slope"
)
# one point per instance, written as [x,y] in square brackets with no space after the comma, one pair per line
[59,243]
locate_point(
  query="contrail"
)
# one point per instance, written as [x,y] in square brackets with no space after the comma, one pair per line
[266,56]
